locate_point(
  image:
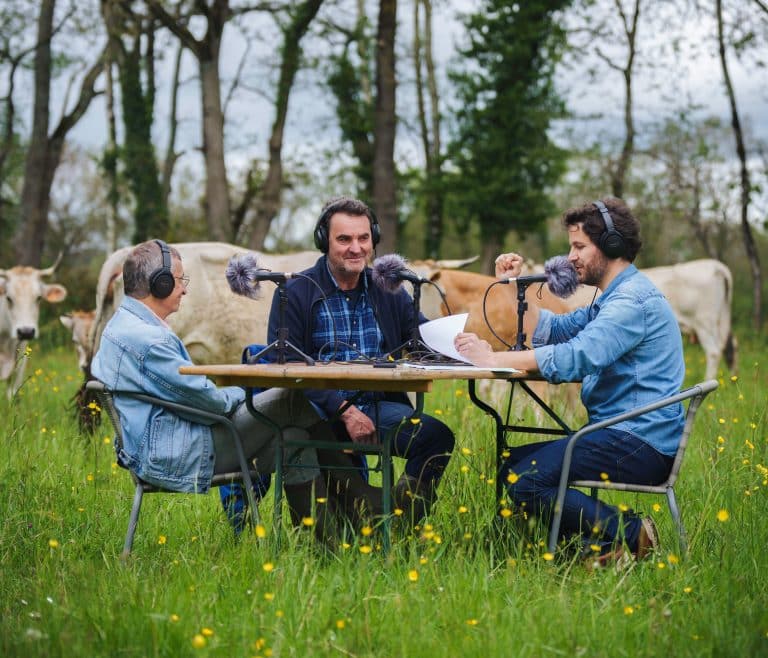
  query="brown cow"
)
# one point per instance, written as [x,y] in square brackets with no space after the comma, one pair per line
[464,293]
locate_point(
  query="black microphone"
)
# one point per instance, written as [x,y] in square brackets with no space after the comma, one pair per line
[558,274]
[244,274]
[391,270]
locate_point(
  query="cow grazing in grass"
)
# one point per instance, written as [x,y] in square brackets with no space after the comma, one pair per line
[21,289]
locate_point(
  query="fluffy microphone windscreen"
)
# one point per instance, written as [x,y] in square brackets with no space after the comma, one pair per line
[240,272]
[561,276]
[385,270]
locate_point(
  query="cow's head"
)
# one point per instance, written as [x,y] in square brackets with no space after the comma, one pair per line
[80,323]
[21,289]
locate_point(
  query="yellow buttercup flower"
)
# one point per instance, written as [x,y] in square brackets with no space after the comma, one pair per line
[162,539]
[723,515]
[308,521]
[53,543]
[629,610]
[512,477]
[548,557]
[413,575]
[268,567]
[366,531]
[199,642]
[207,632]
[365,549]
[340,624]
[260,531]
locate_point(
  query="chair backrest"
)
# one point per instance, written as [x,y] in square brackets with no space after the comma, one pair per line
[699,392]
[107,402]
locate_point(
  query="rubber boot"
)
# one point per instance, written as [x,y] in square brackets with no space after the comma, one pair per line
[414,497]
[310,507]
[358,502]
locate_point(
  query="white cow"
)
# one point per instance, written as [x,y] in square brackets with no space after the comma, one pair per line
[213,322]
[80,323]
[700,293]
[21,289]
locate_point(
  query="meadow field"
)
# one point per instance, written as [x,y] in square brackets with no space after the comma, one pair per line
[460,587]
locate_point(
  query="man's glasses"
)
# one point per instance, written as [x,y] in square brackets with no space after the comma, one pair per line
[184,280]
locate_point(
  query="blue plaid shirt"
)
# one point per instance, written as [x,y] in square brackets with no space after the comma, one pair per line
[346,330]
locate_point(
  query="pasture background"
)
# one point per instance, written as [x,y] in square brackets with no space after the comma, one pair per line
[458,590]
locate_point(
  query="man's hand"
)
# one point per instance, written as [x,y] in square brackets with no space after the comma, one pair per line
[478,351]
[509,265]
[359,427]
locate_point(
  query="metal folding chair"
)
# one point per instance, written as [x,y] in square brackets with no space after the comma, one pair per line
[695,394]
[245,475]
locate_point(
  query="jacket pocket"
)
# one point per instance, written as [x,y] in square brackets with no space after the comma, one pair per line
[169,445]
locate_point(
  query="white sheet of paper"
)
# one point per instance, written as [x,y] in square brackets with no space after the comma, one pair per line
[439,334]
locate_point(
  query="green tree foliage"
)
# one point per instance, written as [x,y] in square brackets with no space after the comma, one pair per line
[350,83]
[503,157]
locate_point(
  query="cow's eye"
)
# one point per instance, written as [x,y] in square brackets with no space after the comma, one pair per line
[10,302]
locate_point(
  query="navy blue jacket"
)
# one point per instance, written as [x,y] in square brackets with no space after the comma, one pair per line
[393,312]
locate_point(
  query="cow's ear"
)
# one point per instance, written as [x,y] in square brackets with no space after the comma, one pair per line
[435,276]
[54,293]
[66,320]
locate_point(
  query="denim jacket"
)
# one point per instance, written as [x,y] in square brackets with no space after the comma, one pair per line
[138,352]
[626,350]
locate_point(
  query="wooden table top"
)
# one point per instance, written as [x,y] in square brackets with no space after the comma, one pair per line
[334,375]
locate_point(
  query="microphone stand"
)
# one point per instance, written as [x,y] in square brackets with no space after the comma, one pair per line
[281,345]
[414,345]
[522,307]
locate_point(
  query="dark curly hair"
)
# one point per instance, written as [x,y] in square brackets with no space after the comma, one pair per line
[594,225]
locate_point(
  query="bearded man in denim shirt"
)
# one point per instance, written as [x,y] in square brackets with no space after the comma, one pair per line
[140,353]
[626,350]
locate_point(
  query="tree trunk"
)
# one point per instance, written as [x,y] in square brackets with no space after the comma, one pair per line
[749,241]
[489,250]
[430,128]
[619,174]
[269,202]
[206,51]
[384,187]
[35,199]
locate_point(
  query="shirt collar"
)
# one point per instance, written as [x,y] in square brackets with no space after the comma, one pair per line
[617,281]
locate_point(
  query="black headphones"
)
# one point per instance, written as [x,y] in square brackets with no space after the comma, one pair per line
[611,241]
[321,228]
[161,281]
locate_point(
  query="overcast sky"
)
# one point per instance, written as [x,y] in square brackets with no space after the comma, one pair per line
[691,73]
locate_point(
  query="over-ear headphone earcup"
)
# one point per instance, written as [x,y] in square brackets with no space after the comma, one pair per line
[161,281]
[321,237]
[612,244]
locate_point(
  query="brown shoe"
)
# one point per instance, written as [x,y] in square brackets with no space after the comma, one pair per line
[619,559]
[647,539]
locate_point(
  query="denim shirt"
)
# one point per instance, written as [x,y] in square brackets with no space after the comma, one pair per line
[626,350]
[138,352]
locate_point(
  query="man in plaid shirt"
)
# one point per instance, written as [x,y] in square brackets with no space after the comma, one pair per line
[335,312]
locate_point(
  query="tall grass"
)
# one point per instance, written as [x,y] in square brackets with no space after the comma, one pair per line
[462,587]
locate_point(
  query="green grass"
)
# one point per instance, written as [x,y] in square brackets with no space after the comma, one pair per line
[65,592]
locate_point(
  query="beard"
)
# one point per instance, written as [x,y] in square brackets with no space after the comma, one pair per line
[593,273]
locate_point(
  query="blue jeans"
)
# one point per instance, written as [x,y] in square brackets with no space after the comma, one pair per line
[620,456]
[426,445]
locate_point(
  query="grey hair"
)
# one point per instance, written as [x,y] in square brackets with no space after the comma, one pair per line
[143,260]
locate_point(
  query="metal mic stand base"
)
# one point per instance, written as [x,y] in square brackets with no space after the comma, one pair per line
[281,347]
[522,307]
